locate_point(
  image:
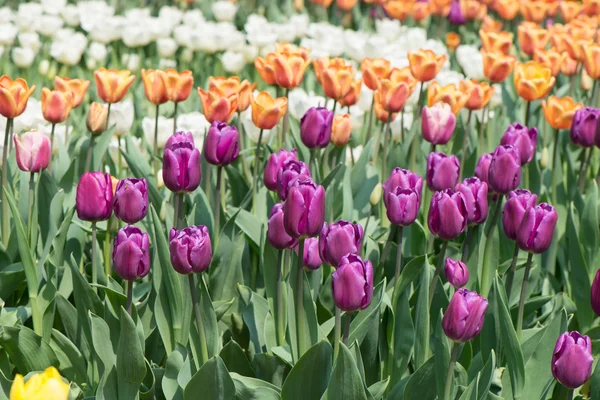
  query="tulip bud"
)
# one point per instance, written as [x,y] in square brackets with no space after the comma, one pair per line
[96,119]
[483,167]
[339,239]
[404,179]
[595,293]
[276,233]
[315,127]
[304,208]
[56,105]
[464,316]
[456,273]
[274,164]
[341,130]
[287,174]
[504,174]
[583,128]
[456,15]
[537,228]
[375,196]
[514,210]
[190,248]
[572,359]
[131,253]
[545,158]
[131,200]
[311,259]
[182,170]
[32,151]
[402,206]
[221,146]
[523,138]
[475,193]
[447,217]
[352,283]
[94,197]
[438,123]
[442,171]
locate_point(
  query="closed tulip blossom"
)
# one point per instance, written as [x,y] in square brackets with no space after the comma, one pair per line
[190,248]
[304,208]
[572,359]
[56,105]
[94,199]
[113,85]
[442,171]
[274,164]
[352,283]
[464,316]
[315,127]
[523,138]
[438,123]
[425,64]
[583,127]
[221,146]
[33,151]
[518,202]
[178,84]
[338,239]
[287,174]
[448,214]
[47,385]
[131,253]
[311,259]
[77,87]
[475,193]
[402,206]
[266,111]
[154,86]
[276,233]
[96,119]
[595,293]
[404,179]
[217,105]
[181,163]
[13,96]
[537,228]
[456,273]
[456,15]
[504,173]
[341,129]
[483,167]
[131,200]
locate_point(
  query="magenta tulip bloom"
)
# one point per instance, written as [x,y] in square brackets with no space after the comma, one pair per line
[276,233]
[572,359]
[94,197]
[523,138]
[438,123]
[304,210]
[464,316]
[315,127]
[537,228]
[456,15]
[191,250]
[442,171]
[483,168]
[402,206]
[287,174]
[352,283]
[404,179]
[274,164]
[505,169]
[595,295]
[583,128]
[456,273]
[221,146]
[518,202]
[338,239]
[447,217]
[311,258]
[131,200]
[475,193]
[181,163]
[131,253]
[33,151]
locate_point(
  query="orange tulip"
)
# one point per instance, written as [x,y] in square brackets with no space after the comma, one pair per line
[14,96]
[341,130]
[569,10]
[96,118]
[490,24]
[322,3]
[591,7]
[77,87]
[557,28]
[479,94]
[245,92]
[394,92]
[448,94]
[374,70]
[581,31]
[424,64]
[154,86]
[380,113]
[473,10]
[534,11]
[112,85]
[398,9]
[420,10]
[559,111]
[501,41]
[591,60]
[352,97]
[56,105]
[440,7]
[575,47]
[346,5]
[452,40]
[284,68]
[266,111]
[558,40]
[233,87]
[378,2]
[507,9]
[550,58]
[532,37]
[568,66]
[337,81]
[497,66]
[178,84]
[533,80]
[217,106]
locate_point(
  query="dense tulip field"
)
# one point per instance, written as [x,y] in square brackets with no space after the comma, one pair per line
[300,199]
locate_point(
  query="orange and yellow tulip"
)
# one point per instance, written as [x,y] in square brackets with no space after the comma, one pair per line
[14,96]
[112,85]
[500,42]
[352,97]
[425,64]
[448,94]
[473,10]
[284,68]
[559,111]
[452,40]
[341,129]
[380,113]
[440,8]
[534,11]
[532,37]
[216,105]
[398,9]
[550,58]
[245,92]
[507,9]
[479,94]
[591,60]
[56,105]
[575,47]
[533,80]
[47,385]
[337,81]
[420,10]
[154,86]
[96,118]
[568,66]
[322,3]
[178,84]
[569,10]
[395,90]
[374,70]
[233,87]
[267,111]
[346,5]
[591,7]
[558,39]
[77,87]
[490,24]
[497,66]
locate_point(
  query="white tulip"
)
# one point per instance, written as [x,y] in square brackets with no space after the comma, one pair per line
[374,47]
[224,10]
[31,117]
[228,37]
[233,62]
[166,47]
[136,36]
[300,23]
[165,63]
[159,28]
[187,55]
[165,130]
[471,61]
[449,77]
[131,61]
[48,25]
[183,35]
[250,53]
[138,14]
[44,67]
[107,30]
[1,50]
[8,33]
[171,14]
[70,14]
[34,9]
[6,15]
[389,29]
[22,57]
[30,40]
[193,18]
[195,123]
[366,98]
[299,102]
[252,131]
[353,154]
[354,44]
[261,39]
[397,122]
[91,12]
[285,32]
[97,52]
[113,148]
[53,7]
[91,64]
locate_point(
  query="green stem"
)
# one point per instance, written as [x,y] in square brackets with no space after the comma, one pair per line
[386,135]
[583,170]
[94,256]
[554,166]
[107,245]
[570,394]
[594,93]
[256,171]
[286,122]
[511,272]
[279,307]
[300,298]
[377,143]
[438,270]
[465,144]
[155,145]
[119,158]
[242,144]
[67,124]
[523,295]
[129,297]
[481,130]
[218,204]
[51,146]
[465,248]
[388,245]
[486,273]
[347,327]
[398,258]
[199,324]
[370,125]
[527,107]
[175,118]
[88,158]
[337,332]
[450,376]
[30,207]
[179,216]
[4,182]
[419,106]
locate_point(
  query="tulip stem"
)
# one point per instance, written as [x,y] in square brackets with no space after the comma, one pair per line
[129,297]
[347,327]
[527,107]
[583,170]
[199,324]
[30,208]
[286,122]
[456,350]
[377,143]
[4,182]
[280,326]
[370,126]
[465,248]
[218,203]
[465,143]
[337,332]
[570,394]
[155,145]
[119,159]
[511,272]
[386,134]
[242,144]
[67,130]
[175,118]
[388,245]
[481,130]
[438,270]
[88,158]
[94,256]
[256,170]
[398,256]
[419,107]
[51,146]
[523,295]
[554,165]
[300,298]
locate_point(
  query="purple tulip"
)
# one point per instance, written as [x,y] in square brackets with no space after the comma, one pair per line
[287,174]
[514,210]
[276,233]
[131,200]
[595,295]
[181,163]
[475,193]
[523,138]
[456,15]
[339,239]
[315,127]
[583,128]
[94,197]
[352,283]
[448,214]
[464,316]
[190,248]
[274,164]
[572,359]
[304,210]
[442,171]
[456,272]
[131,253]
[405,179]
[221,146]
[311,258]
[483,168]
[402,206]
[505,169]
[537,228]
[438,123]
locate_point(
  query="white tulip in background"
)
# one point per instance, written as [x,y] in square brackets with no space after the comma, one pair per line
[187,55]
[285,32]
[193,18]
[92,12]
[121,116]
[353,153]
[299,102]
[250,53]
[366,98]
[183,35]
[196,123]
[53,7]
[165,130]
[224,10]
[131,61]
[6,15]
[30,40]
[354,44]
[44,67]
[113,148]
[471,61]
[449,77]
[374,48]
[356,117]
[300,23]
[68,48]
[8,33]
[166,47]
[138,14]
[70,14]
[252,131]
[136,35]
[48,25]
[97,52]
[91,64]
[397,122]
[165,63]
[31,118]
[171,14]
[389,29]
[22,57]
[233,62]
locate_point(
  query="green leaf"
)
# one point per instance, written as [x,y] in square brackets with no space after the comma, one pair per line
[254,389]
[105,359]
[211,382]
[422,320]
[209,321]
[58,243]
[363,322]
[403,332]
[441,356]
[170,387]
[101,144]
[26,349]
[72,363]
[377,390]
[410,272]
[248,223]
[590,226]
[421,385]
[595,383]
[140,168]
[345,381]
[131,367]
[255,315]
[309,378]
[358,173]
[236,360]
